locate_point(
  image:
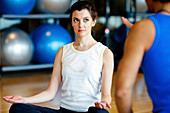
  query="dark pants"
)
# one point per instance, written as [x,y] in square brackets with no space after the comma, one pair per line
[29,108]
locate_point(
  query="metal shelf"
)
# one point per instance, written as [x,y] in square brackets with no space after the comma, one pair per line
[35,16]
[29,16]
[26,67]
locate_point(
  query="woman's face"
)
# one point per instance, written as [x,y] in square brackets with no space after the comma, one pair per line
[82,22]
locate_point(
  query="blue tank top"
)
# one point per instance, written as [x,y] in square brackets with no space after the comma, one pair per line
[156,65]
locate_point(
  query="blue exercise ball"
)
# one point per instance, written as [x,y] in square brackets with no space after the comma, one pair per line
[17,47]
[48,39]
[119,34]
[17,6]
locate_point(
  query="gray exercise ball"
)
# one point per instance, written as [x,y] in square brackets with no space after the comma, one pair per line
[57,6]
[17,47]
[40,8]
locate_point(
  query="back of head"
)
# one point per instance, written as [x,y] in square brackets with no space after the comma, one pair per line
[80,5]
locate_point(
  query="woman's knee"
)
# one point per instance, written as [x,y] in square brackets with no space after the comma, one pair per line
[18,108]
[15,107]
[97,110]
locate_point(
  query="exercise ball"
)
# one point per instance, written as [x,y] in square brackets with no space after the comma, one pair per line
[17,6]
[48,39]
[17,47]
[40,8]
[57,6]
[119,34]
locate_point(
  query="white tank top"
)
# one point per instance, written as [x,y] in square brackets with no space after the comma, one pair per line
[81,77]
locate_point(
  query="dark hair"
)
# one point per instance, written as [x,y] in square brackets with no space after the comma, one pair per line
[163,1]
[80,5]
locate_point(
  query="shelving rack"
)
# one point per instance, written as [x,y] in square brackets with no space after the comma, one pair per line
[30,16]
[26,67]
[57,16]
[35,16]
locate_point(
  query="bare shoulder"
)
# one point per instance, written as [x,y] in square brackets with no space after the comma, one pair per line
[59,54]
[145,27]
[144,24]
[60,51]
[107,51]
[142,34]
[108,54]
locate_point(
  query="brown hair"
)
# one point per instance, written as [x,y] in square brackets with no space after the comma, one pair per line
[80,5]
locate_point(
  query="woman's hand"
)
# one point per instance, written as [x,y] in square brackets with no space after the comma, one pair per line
[102,105]
[127,22]
[14,99]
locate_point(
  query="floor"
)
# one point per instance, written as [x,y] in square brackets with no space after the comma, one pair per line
[31,82]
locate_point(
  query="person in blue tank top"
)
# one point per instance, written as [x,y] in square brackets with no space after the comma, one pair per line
[83,67]
[147,46]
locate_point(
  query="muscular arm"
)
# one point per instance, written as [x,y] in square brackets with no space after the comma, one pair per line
[49,93]
[139,40]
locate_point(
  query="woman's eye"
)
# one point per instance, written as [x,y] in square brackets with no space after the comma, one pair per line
[75,20]
[86,20]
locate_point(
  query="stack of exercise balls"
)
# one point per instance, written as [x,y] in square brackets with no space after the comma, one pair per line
[19,47]
[48,39]
[41,46]
[26,6]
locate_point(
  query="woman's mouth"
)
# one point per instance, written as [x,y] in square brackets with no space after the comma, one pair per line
[81,30]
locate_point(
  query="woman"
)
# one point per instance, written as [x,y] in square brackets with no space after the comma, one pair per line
[84,68]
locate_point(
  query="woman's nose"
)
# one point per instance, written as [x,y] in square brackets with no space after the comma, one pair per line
[81,23]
